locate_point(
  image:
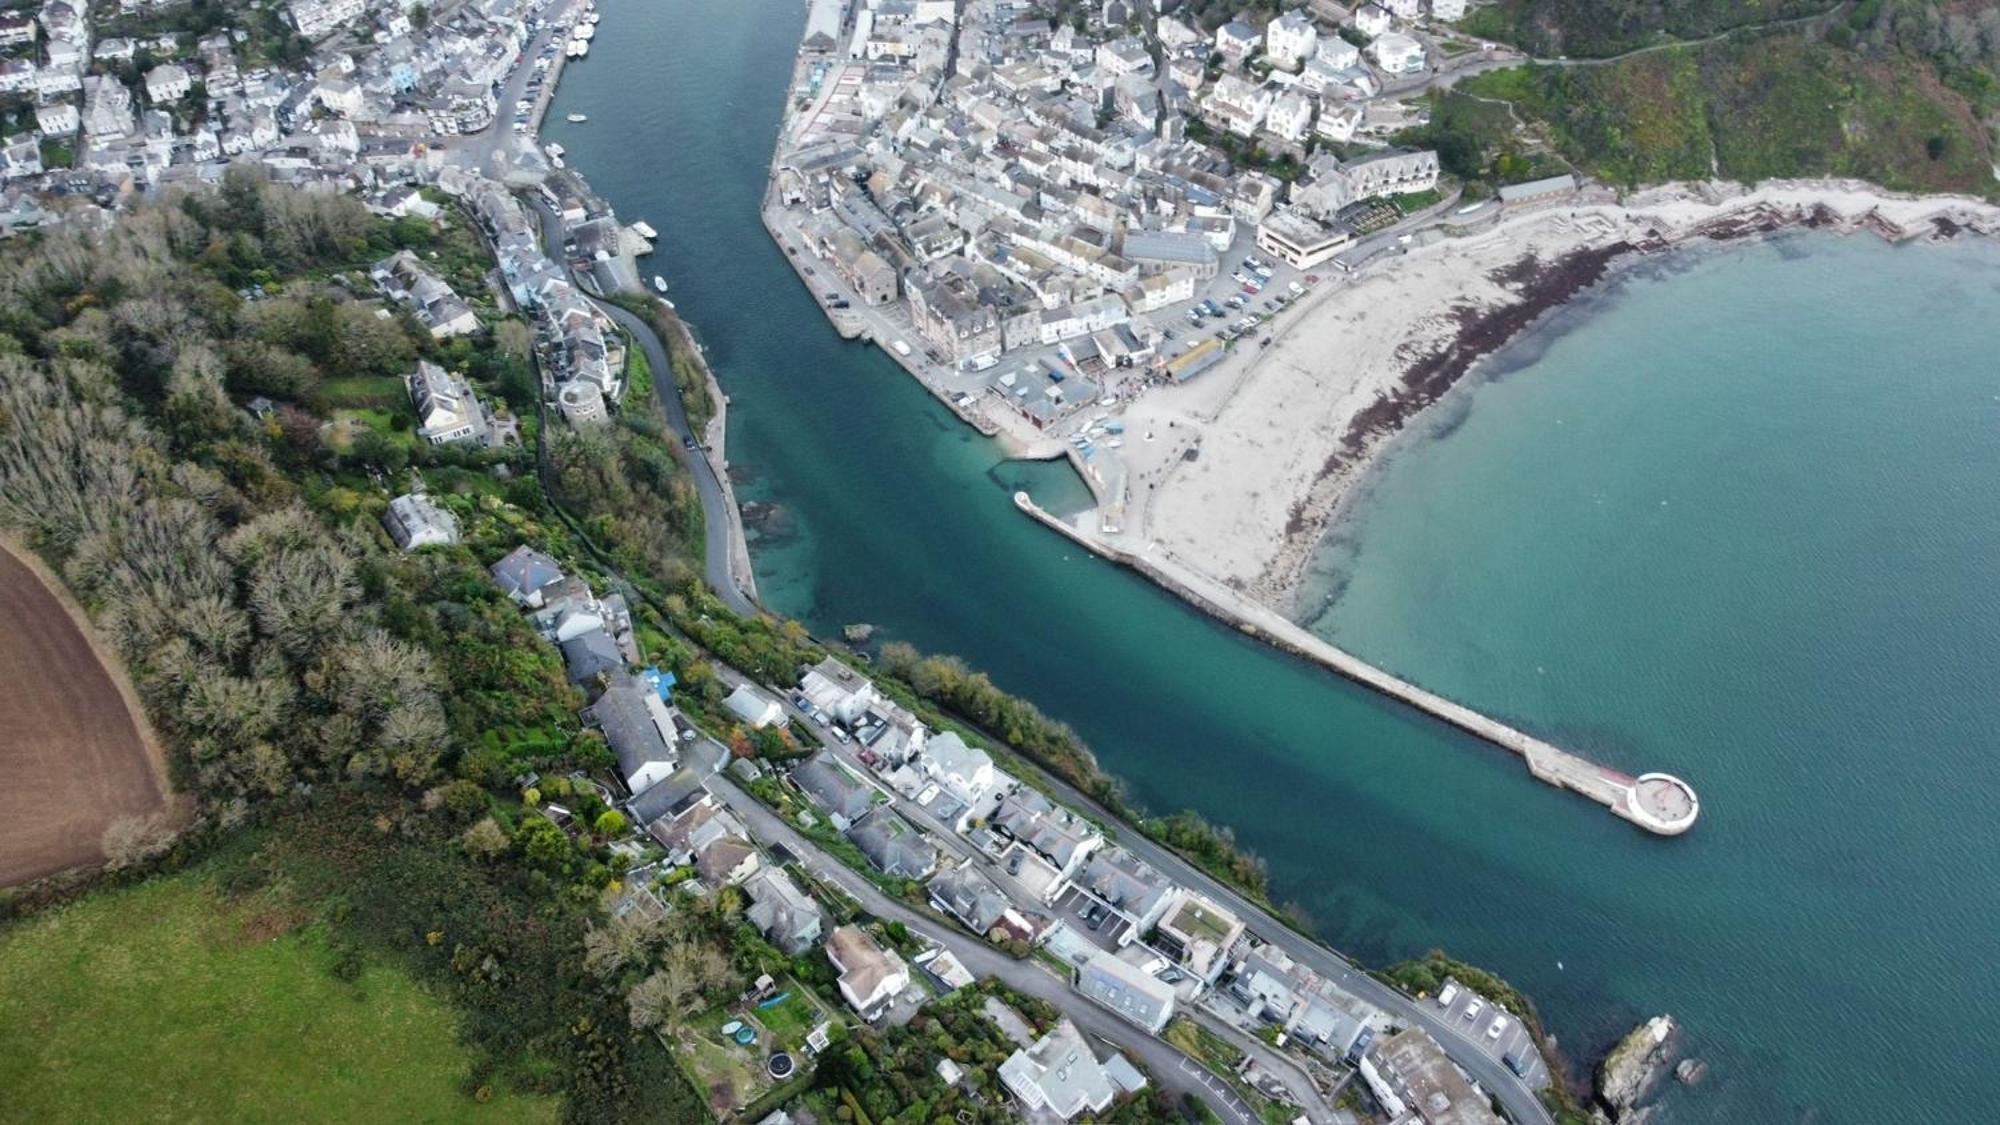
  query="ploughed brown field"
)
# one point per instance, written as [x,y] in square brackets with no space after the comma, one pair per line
[73,759]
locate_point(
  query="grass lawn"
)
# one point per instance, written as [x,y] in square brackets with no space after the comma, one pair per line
[349,424]
[728,1076]
[168,1002]
[366,390]
[1196,920]
[792,1019]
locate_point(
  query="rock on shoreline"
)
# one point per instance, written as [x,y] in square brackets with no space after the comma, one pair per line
[1633,1068]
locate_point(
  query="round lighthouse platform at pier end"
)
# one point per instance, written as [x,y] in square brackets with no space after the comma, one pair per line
[1663,803]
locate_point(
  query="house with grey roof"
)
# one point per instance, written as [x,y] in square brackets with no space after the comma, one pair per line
[727,861]
[893,845]
[672,796]
[834,787]
[413,521]
[639,728]
[1127,990]
[1129,886]
[786,916]
[1059,1076]
[590,654]
[524,573]
[1056,834]
[968,896]
[753,706]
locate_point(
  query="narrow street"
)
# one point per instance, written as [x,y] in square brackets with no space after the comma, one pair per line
[1171,1069]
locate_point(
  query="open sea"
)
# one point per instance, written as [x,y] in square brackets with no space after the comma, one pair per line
[1733,515]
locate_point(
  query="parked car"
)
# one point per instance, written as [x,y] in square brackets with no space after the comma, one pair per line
[1499,1025]
[1473,1009]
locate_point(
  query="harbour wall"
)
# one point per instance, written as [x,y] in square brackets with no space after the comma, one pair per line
[1656,802]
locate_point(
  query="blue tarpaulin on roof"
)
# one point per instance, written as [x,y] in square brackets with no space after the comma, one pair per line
[663,682]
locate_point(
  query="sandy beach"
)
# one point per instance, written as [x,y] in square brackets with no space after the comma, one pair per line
[1284,432]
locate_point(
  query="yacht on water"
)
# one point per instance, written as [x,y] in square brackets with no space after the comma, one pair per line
[659,283]
[645,230]
[577,118]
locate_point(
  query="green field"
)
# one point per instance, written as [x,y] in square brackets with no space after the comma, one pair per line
[168,1002]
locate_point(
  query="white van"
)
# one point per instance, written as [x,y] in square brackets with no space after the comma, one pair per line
[1446,995]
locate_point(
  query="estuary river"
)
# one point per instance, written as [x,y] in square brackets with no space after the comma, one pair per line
[1622,553]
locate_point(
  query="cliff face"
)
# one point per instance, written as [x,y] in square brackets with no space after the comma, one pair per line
[1632,1067]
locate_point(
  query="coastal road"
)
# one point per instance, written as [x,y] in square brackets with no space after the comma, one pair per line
[1522,1103]
[718,522]
[1170,1068]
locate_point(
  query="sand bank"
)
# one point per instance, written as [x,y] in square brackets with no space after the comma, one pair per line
[1282,433]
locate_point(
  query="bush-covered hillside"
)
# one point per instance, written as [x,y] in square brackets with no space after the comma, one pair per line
[1899,92]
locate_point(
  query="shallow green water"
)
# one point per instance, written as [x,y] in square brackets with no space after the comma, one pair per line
[1837,899]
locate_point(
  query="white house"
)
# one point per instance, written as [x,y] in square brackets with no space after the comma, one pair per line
[965,772]
[413,522]
[870,976]
[1235,40]
[1338,53]
[447,411]
[1290,39]
[1447,10]
[1059,1076]
[1397,53]
[1291,115]
[1372,20]
[753,706]
[315,18]
[1337,123]
[1405,10]
[1122,57]
[167,83]
[58,119]
[1239,104]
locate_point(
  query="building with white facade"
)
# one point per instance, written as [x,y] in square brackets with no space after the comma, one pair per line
[1298,240]
[1291,116]
[1290,40]
[167,83]
[1397,53]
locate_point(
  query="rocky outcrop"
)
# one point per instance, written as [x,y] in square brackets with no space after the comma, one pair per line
[1632,1068]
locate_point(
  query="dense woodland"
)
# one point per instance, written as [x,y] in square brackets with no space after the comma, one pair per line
[371,730]
[354,723]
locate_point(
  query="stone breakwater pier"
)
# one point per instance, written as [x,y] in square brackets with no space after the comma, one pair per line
[1657,802]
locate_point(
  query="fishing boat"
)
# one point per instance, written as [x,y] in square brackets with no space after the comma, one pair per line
[659,283]
[645,230]
[577,118]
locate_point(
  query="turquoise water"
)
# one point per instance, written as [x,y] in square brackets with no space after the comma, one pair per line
[1736,517]
[1802,947]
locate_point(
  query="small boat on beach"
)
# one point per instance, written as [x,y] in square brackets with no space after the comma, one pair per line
[577,118]
[659,283]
